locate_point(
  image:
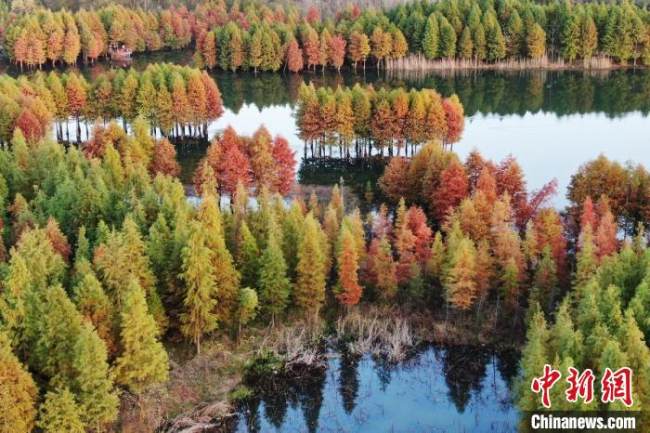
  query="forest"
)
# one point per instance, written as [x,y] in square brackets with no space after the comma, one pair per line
[131,280]
[270,37]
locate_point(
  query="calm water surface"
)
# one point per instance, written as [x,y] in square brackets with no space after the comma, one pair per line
[458,389]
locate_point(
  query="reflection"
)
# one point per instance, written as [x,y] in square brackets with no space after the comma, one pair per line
[349,381]
[464,369]
[311,399]
[434,389]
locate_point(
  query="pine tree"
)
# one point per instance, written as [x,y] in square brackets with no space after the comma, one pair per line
[19,392]
[273,283]
[143,360]
[59,413]
[309,290]
[198,317]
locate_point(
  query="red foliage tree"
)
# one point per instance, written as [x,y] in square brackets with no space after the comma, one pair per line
[416,221]
[395,182]
[57,239]
[30,125]
[214,104]
[453,188]
[294,56]
[588,215]
[285,165]
[313,15]
[164,159]
[234,166]
[455,118]
[336,51]
[606,232]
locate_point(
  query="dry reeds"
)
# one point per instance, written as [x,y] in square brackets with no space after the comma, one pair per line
[417,62]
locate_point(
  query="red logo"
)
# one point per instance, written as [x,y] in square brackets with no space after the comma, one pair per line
[617,385]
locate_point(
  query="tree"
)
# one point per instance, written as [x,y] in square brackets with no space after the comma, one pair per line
[95,306]
[536,42]
[274,285]
[447,39]
[336,51]
[465,44]
[455,118]
[97,399]
[247,308]
[605,238]
[198,317]
[247,256]
[430,42]
[285,163]
[294,56]
[226,276]
[164,160]
[586,260]
[143,360]
[358,48]
[451,190]
[460,284]
[381,269]
[59,413]
[19,392]
[309,290]
[348,289]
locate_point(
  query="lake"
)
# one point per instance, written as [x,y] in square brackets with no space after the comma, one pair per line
[551,121]
[455,389]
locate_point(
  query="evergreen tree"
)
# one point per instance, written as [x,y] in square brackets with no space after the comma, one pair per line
[460,284]
[143,360]
[247,309]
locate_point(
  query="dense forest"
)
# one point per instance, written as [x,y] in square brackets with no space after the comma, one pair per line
[114,271]
[256,36]
[106,258]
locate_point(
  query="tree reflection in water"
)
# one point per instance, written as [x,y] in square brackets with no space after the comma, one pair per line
[458,388]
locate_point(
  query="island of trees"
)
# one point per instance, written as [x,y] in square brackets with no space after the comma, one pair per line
[256,36]
[176,101]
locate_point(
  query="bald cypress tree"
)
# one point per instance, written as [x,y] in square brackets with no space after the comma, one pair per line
[143,360]
[309,291]
[225,275]
[59,413]
[198,317]
[274,286]
[18,395]
[93,385]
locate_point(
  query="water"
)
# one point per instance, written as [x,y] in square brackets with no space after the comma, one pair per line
[458,389]
[552,122]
